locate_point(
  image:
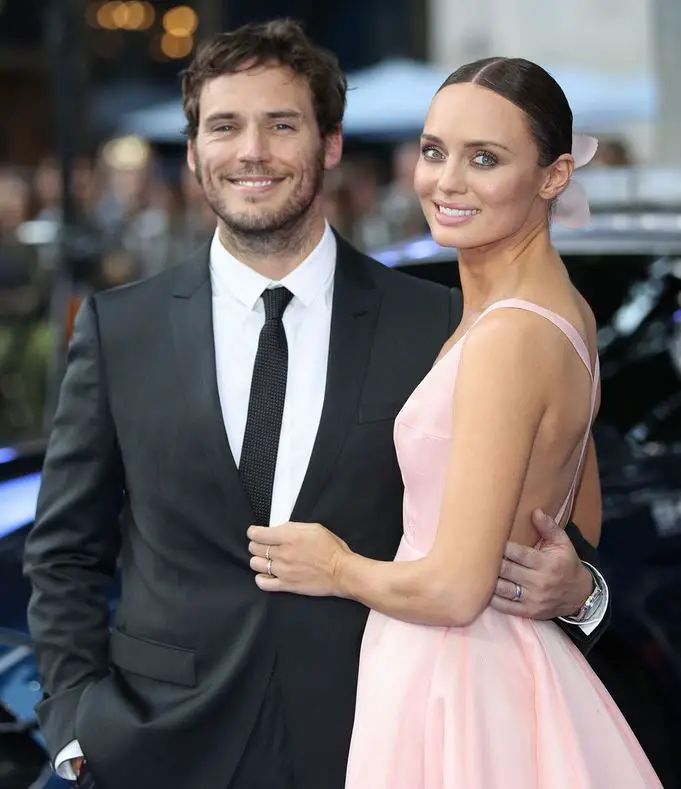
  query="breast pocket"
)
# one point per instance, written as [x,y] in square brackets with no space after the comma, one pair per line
[377,412]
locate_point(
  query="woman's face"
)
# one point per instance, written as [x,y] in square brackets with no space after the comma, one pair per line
[478,177]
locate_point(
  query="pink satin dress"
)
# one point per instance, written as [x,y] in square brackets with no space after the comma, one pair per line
[504,703]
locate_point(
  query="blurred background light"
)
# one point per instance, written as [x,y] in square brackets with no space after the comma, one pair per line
[118,15]
[180,21]
[175,47]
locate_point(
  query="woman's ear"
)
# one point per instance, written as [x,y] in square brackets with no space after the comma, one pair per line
[557,177]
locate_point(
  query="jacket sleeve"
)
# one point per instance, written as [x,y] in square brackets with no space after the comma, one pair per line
[71,552]
[455,309]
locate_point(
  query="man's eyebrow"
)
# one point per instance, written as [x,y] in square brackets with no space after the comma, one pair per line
[284,114]
[226,115]
[221,116]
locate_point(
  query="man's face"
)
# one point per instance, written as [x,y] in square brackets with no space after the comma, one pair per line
[258,153]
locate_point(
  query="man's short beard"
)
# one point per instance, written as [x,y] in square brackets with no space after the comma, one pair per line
[276,232]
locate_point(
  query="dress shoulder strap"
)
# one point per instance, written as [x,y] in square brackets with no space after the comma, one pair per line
[558,321]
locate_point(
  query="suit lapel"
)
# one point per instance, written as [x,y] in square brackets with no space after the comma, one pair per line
[353,319]
[192,322]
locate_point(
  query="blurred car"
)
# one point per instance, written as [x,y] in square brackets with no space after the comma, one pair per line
[628,265]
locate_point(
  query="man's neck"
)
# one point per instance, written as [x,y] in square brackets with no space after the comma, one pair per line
[274,254]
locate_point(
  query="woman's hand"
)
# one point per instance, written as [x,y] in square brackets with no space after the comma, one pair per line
[303,558]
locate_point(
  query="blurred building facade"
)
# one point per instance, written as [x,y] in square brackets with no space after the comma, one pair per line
[610,35]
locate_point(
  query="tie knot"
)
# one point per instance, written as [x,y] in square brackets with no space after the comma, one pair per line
[276,300]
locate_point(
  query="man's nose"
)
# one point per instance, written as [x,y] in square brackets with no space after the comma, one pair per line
[254,146]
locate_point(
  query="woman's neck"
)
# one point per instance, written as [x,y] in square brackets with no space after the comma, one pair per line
[497,271]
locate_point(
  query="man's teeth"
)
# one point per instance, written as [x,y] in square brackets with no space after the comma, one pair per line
[255,184]
[458,211]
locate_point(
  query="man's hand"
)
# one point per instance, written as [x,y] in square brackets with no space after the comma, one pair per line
[550,579]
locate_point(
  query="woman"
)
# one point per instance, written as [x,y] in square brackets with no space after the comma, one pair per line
[454,694]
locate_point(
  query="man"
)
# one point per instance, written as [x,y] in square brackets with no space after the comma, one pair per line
[257,383]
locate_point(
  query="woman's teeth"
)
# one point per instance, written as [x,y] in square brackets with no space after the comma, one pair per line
[458,211]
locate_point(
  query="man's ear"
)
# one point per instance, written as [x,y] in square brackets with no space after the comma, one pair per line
[333,149]
[191,156]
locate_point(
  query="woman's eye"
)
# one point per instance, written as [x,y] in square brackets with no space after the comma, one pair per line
[484,159]
[431,153]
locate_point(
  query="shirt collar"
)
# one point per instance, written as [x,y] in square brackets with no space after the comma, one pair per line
[306,282]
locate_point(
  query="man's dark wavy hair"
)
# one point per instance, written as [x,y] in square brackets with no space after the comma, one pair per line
[282,42]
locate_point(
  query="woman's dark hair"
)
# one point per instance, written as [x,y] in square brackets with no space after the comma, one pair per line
[280,41]
[532,90]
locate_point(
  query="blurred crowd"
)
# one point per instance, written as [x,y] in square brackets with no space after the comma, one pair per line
[138,213]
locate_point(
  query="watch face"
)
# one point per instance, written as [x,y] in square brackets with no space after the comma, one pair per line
[592,601]
[597,593]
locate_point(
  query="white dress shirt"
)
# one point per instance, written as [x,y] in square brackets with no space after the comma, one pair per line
[238,317]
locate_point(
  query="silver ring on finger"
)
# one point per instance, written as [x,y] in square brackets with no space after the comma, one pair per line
[517,597]
[267,552]
[269,568]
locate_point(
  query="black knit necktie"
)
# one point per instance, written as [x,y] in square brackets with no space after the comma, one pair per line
[266,407]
